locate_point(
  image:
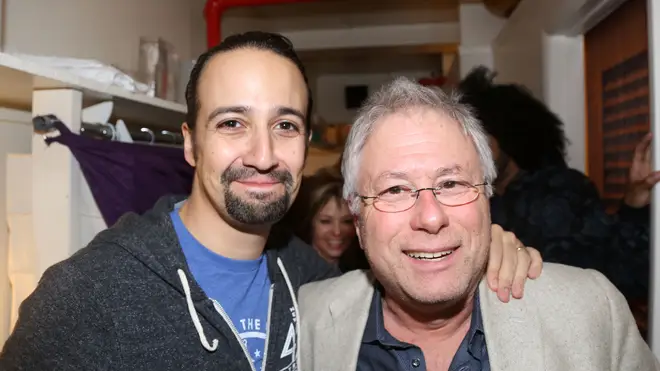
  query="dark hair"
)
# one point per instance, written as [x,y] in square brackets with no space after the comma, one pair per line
[259,40]
[525,129]
[315,192]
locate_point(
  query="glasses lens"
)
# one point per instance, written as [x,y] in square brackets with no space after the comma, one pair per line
[456,197]
[392,203]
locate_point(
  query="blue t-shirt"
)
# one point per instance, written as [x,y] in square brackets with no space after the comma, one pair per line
[241,287]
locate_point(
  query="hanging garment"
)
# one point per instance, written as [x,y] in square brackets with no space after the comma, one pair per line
[126,177]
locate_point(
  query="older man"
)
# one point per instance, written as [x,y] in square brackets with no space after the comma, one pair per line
[418,174]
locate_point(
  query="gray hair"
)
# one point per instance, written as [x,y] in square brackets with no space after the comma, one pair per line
[400,95]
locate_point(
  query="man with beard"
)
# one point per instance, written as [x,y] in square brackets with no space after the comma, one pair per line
[202,283]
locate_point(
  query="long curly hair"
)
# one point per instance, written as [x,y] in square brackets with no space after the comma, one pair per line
[525,129]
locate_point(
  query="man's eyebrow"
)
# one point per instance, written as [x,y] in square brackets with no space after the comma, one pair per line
[392,175]
[439,172]
[229,109]
[284,111]
[450,170]
[279,111]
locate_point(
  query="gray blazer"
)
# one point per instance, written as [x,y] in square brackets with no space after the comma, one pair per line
[569,319]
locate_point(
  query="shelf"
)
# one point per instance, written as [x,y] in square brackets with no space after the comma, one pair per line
[19,78]
[323,149]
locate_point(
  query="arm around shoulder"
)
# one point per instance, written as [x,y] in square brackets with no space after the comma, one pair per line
[59,327]
[629,350]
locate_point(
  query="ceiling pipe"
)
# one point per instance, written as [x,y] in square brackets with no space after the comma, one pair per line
[501,8]
[215,8]
[438,81]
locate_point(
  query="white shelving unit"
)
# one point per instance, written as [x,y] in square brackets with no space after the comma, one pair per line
[58,191]
[21,78]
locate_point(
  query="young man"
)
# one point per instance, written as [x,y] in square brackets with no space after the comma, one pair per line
[202,283]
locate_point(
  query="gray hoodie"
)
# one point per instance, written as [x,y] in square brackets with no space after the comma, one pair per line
[128,301]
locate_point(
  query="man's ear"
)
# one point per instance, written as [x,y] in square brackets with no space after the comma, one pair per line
[189,150]
[358,225]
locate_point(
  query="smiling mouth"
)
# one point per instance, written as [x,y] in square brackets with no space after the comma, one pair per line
[430,256]
[258,184]
[336,243]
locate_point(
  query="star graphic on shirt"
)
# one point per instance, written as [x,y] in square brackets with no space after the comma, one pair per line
[257,353]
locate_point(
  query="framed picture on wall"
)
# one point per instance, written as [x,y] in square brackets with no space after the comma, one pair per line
[355,95]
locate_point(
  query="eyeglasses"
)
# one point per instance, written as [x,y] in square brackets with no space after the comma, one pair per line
[401,198]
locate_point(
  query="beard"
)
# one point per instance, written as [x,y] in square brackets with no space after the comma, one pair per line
[258,208]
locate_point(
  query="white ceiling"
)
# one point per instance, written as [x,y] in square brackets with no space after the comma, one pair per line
[379,60]
[328,14]
[332,14]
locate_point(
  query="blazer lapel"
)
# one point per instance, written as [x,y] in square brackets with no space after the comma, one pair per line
[339,340]
[513,333]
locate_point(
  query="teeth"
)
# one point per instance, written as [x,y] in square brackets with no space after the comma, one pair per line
[429,255]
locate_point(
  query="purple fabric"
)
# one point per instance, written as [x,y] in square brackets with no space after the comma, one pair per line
[127,177]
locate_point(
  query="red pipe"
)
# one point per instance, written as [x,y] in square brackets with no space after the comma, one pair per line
[433,81]
[215,8]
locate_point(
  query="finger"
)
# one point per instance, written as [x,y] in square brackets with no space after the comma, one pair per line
[643,149]
[522,270]
[508,268]
[536,267]
[495,257]
[652,179]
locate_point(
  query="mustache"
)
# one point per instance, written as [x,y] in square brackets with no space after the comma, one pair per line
[234,174]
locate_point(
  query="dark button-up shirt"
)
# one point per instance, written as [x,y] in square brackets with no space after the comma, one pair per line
[380,351]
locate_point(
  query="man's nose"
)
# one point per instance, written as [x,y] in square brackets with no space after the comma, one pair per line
[261,155]
[428,214]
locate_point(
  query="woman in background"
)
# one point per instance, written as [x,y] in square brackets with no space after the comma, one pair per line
[321,218]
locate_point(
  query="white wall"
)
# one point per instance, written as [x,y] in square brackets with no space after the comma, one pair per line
[105,30]
[653,10]
[531,51]
[478,29]
[15,137]
[329,97]
[197,36]
[564,91]
[517,49]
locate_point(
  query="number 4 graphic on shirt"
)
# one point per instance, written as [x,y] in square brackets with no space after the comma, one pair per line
[290,343]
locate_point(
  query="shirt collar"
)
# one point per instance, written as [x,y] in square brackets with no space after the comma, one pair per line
[375,332]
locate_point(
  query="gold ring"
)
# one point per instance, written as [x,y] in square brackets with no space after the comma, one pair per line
[520,248]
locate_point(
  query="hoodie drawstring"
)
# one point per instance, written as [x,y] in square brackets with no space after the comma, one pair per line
[295,308]
[193,314]
[198,325]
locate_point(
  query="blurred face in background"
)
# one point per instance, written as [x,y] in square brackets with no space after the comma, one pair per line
[333,230]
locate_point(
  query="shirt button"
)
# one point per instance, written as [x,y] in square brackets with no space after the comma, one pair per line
[416,362]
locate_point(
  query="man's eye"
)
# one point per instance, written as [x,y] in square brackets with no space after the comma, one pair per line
[449,184]
[288,126]
[229,124]
[396,190]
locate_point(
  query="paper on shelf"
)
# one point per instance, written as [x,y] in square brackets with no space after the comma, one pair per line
[89,69]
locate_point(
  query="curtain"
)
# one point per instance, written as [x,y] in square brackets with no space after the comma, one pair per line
[126,177]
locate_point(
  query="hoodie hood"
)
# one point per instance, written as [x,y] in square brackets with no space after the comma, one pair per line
[151,239]
[131,295]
